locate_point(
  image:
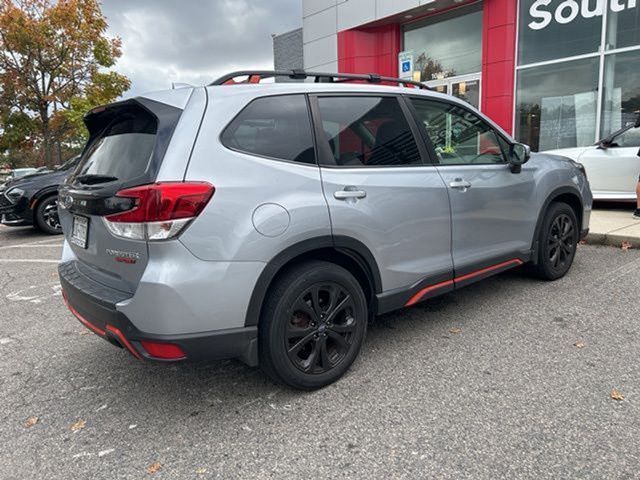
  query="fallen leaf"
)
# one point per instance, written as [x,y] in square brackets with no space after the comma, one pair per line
[626,246]
[84,332]
[617,395]
[201,471]
[579,344]
[79,425]
[151,469]
[31,421]
[455,330]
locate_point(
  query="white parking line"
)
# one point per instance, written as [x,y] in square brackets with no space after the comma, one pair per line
[28,260]
[31,246]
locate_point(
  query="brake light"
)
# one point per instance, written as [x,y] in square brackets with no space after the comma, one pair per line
[161,210]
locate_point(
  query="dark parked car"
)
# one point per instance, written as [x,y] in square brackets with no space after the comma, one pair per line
[32,199]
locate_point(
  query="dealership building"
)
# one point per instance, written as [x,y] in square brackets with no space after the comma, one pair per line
[554,73]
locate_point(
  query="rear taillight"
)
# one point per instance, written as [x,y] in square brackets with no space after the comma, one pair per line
[161,210]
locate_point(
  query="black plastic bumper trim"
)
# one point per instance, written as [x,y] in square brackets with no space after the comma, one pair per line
[94,305]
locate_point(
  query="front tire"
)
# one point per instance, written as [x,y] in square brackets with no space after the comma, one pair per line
[313,325]
[557,242]
[46,216]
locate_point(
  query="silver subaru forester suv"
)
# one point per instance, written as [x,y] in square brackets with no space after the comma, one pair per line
[271,221]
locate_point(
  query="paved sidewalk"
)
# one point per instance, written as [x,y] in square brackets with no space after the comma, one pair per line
[613,227]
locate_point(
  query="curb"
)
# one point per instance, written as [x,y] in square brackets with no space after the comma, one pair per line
[612,239]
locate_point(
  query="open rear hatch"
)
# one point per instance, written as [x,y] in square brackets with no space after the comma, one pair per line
[110,206]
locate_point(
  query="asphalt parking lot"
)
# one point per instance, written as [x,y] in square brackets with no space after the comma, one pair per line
[486,382]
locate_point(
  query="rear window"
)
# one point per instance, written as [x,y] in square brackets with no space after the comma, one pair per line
[275,127]
[124,147]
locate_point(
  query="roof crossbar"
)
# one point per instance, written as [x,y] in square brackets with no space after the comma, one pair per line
[255,76]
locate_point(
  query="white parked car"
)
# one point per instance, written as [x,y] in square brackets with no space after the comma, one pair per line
[612,165]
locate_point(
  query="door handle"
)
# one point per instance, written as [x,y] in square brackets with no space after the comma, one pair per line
[460,184]
[348,193]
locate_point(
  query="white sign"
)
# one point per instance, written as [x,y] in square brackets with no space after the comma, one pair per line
[568,10]
[405,65]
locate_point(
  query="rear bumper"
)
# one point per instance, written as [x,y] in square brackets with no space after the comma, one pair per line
[95,306]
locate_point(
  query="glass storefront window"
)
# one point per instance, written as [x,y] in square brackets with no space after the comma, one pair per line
[447,46]
[621,100]
[623,26]
[557,29]
[556,104]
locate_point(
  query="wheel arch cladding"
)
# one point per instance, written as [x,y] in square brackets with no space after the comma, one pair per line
[568,195]
[344,251]
[573,200]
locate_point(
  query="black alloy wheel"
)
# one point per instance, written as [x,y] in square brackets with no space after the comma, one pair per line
[557,242]
[321,328]
[46,215]
[561,241]
[312,326]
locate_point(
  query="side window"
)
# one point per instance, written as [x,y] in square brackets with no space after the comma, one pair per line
[630,138]
[276,127]
[367,131]
[458,135]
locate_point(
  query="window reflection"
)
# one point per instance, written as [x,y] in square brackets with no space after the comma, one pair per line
[621,91]
[557,104]
[447,47]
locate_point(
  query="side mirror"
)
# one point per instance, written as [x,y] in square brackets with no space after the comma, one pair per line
[519,154]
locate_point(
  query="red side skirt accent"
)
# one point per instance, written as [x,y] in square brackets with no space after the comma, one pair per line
[420,295]
[509,263]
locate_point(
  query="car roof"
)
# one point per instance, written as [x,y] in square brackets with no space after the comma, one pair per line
[179,97]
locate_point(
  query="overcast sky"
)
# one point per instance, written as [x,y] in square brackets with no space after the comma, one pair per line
[195,41]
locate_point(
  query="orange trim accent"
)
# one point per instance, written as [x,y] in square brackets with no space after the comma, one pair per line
[83,320]
[124,341]
[418,296]
[513,262]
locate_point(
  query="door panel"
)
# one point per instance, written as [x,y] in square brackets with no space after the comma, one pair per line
[491,214]
[492,218]
[378,188]
[403,220]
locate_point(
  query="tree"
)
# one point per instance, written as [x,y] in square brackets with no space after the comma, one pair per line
[55,60]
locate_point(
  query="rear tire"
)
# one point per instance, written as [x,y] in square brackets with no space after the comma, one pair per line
[46,216]
[313,324]
[557,242]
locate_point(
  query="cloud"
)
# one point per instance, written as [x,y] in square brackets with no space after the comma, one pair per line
[195,41]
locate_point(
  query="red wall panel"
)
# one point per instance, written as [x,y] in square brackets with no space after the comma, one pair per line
[375,50]
[369,50]
[498,60]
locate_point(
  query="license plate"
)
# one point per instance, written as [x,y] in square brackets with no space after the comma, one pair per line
[79,231]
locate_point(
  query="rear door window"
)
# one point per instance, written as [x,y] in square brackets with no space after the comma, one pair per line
[276,127]
[367,131]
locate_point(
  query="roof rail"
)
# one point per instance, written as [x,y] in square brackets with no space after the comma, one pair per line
[255,76]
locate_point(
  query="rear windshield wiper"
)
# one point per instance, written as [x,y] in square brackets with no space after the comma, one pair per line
[93,179]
